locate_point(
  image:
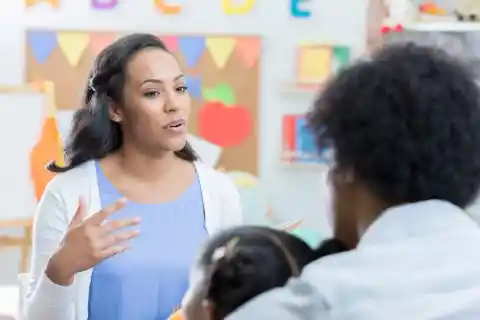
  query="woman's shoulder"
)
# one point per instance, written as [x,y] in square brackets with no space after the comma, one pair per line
[73,180]
[214,179]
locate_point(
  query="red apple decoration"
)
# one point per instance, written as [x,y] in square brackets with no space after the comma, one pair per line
[223,125]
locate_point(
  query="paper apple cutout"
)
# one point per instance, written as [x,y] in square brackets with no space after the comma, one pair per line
[221,120]
[223,125]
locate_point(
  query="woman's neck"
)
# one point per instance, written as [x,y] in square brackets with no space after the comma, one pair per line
[145,167]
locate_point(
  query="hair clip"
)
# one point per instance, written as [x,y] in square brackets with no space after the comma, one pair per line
[226,250]
[90,84]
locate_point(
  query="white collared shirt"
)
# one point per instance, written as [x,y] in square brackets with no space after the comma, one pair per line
[417,261]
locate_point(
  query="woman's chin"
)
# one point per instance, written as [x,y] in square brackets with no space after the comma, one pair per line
[176,144]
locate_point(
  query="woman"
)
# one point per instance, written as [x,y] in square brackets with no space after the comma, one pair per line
[127,142]
[243,262]
[405,130]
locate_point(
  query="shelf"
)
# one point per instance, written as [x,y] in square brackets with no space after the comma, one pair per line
[307,88]
[444,27]
[304,165]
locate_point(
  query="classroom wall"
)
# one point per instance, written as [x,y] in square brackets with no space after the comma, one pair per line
[294,192]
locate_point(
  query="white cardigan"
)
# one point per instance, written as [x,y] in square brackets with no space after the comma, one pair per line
[47,300]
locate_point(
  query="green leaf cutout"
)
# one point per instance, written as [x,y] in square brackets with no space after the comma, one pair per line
[209,94]
[225,94]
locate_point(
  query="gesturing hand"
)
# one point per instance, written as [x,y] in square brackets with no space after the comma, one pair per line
[89,241]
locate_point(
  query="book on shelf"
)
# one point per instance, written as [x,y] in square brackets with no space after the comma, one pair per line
[299,143]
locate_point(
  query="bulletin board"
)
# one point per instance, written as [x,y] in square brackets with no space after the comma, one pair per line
[223,75]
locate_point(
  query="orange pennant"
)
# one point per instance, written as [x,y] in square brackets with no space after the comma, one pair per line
[98,41]
[248,49]
[53,3]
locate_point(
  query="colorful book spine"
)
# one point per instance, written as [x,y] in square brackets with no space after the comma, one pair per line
[299,143]
[289,138]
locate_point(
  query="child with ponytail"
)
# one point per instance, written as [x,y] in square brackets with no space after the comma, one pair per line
[242,263]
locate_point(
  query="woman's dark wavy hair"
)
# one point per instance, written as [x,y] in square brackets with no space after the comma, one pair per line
[94,135]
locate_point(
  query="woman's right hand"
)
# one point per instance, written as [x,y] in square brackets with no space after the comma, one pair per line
[89,241]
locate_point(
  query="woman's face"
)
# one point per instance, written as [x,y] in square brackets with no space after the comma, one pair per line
[156,104]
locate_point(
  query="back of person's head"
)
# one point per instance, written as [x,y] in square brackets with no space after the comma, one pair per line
[404,128]
[247,261]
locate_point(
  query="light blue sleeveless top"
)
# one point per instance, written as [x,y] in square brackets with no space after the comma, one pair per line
[148,281]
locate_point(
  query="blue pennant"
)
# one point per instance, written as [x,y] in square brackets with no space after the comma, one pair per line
[192,49]
[42,44]
[194,84]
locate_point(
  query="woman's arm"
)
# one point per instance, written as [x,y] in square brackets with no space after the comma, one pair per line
[45,299]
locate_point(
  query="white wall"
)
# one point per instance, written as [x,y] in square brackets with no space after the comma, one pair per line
[294,192]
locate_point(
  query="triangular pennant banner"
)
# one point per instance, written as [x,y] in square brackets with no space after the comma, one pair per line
[53,3]
[248,49]
[192,49]
[42,44]
[171,42]
[98,41]
[194,84]
[73,45]
[221,48]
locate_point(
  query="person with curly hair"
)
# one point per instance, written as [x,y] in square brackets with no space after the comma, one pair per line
[405,130]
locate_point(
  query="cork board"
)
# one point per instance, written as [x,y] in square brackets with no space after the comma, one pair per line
[223,74]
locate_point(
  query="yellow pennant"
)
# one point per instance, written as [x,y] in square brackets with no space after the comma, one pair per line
[221,48]
[73,45]
[53,3]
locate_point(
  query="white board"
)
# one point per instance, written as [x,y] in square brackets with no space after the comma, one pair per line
[21,119]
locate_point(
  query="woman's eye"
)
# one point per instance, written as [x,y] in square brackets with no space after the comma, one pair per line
[182,89]
[151,94]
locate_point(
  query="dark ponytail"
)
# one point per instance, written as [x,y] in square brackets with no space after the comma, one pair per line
[247,261]
[94,135]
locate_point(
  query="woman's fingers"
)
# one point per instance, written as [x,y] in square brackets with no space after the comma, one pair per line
[114,239]
[114,250]
[115,225]
[102,215]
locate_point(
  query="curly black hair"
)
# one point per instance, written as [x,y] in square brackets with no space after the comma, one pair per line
[407,122]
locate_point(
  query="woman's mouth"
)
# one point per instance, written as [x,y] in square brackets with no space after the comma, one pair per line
[178,126]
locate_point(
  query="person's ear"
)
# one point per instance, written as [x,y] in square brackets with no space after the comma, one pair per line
[114,112]
[341,177]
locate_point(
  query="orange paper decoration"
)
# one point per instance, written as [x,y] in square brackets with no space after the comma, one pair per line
[46,150]
[53,3]
[49,146]
[167,8]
